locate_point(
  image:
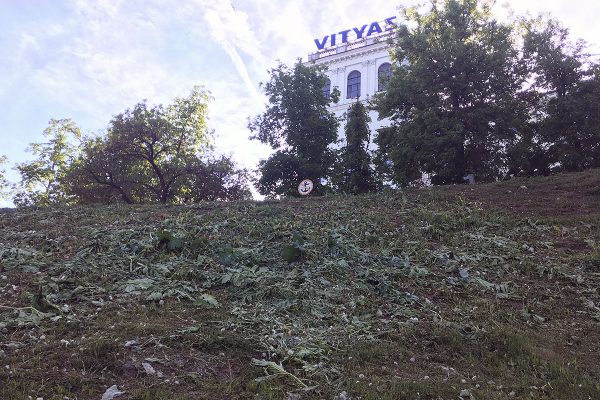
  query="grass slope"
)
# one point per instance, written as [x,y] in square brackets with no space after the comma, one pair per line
[486,292]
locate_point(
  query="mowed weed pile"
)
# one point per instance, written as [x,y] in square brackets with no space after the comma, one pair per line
[426,294]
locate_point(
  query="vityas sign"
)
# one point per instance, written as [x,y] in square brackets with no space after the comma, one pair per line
[355,33]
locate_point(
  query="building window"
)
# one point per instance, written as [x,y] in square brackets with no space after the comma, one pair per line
[353,85]
[327,89]
[384,74]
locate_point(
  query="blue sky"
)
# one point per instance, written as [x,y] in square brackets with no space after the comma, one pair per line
[90,60]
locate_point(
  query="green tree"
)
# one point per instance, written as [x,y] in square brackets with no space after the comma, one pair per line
[156,154]
[454,96]
[354,171]
[567,117]
[299,127]
[3,180]
[587,117]
[103,173]
[214,179]
[43,179]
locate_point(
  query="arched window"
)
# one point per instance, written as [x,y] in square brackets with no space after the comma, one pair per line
[327,89]
[384,74]
[353,85]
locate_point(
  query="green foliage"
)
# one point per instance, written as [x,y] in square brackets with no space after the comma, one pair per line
[354,171]
[454,95]
[169,241]
[147,149]
[295,251]
[472,95]
[280,174]
[43,180]
[3,180]
[213,178]
[157,155]
[227,255]
[566,119]
[150,154]
[298,125]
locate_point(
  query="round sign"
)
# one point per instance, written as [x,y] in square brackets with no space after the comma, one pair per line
[305,187]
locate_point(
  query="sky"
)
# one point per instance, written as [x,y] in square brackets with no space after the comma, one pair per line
[89,60]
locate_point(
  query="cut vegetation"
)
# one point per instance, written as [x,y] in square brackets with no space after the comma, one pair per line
[465,292]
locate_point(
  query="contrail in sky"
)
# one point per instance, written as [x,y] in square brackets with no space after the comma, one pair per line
[229,27]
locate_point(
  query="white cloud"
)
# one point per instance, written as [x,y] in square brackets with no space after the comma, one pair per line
[26,43]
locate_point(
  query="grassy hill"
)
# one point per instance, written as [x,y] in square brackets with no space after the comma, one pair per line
[472,292]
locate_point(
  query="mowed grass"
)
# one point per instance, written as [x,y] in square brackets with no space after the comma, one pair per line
[472,292]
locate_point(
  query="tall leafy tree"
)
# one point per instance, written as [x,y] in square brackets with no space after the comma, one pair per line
[299,127]
[155,144]
[588,120]
[147,149]
[43,179]
[454,96]
[156,154]
[212,179]
[354,170]
[567,121]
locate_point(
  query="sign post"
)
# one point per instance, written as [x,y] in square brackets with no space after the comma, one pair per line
[305,187]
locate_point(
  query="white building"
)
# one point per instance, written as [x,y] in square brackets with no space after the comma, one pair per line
[358,68]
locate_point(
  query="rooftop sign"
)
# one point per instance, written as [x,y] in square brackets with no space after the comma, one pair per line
[356,33]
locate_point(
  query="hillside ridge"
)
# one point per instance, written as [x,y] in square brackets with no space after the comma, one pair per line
[484,291]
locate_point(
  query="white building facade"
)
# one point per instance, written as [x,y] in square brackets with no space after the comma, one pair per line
[358,69]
